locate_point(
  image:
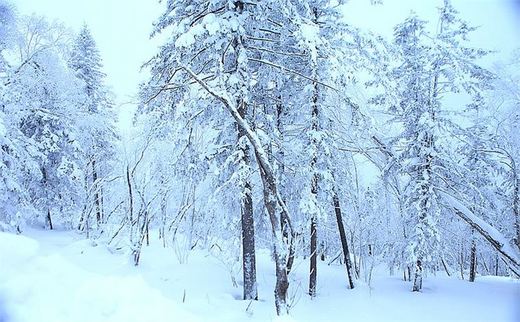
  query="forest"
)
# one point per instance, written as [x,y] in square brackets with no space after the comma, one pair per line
[270,138]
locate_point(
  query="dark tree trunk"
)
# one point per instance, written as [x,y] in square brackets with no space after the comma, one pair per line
[131,216]
[473,260]
[130,197]
[445,267]
[313,268]
[248,226]
[343,238]
[147,233]
[313,272]
[246,207]
[496,265]
[49,219]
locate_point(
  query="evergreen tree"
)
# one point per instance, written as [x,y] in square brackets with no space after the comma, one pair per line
[431,66]
[97,123]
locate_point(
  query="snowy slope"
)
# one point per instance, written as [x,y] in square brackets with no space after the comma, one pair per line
[56,276]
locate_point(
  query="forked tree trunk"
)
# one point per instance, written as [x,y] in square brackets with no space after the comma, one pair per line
[272,199]
[282,282]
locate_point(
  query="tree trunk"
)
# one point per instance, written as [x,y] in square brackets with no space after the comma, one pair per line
[272,198]
[354,257]
[461,261]
[343,238]
[130,204]
[95,187]
[417,279]
[313,268]
[473,259]
[292,250]
[49,219]
[248,226]
[445,267]
[313,271]
[282,282]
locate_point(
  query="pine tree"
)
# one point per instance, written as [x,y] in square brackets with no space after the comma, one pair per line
[430,67]
[97,122]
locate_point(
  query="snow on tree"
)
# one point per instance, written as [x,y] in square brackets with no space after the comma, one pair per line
[96,123]
[15,159]
[431,67]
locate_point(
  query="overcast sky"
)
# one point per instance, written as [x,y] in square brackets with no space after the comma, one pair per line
[122,27]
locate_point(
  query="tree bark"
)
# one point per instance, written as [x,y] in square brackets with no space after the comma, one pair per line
[445,267]
[313,271]
[343,238]
[49,219]
[272,198]
[130,204]
[473,259]
[287,234]
[313,268]
[95,187]
[282,282]
[417,279]
[248,227]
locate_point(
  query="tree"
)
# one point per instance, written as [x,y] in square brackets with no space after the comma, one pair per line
[208,49]
[14,158]
[97,122]
[431,66]
[39,98]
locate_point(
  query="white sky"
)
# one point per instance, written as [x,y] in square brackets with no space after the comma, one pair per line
[498,20]
[122,27]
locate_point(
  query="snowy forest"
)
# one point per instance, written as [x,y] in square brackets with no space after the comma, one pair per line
[280,163]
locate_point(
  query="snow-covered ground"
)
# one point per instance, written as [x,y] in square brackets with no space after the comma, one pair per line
[59,277]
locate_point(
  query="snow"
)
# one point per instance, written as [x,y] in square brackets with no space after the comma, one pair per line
[16,250]
[493,232]
[58,276]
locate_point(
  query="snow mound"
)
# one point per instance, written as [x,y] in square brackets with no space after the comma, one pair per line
[59,290]
[15,250]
